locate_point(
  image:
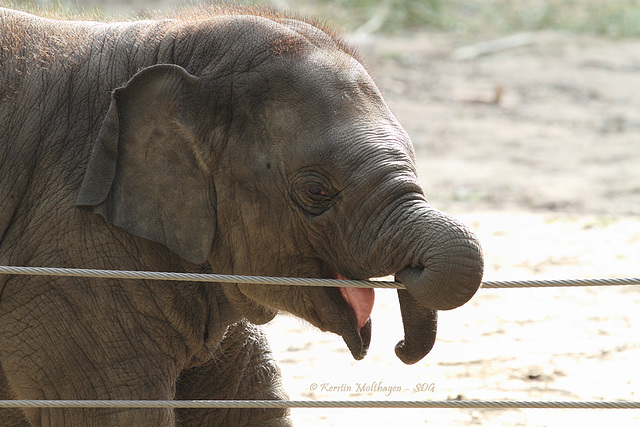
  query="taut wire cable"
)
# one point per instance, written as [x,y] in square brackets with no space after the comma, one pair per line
[442,404]
[293,281]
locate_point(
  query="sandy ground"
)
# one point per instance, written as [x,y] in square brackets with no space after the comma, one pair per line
[538,149]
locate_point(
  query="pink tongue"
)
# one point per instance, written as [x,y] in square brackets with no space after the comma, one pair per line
[361,300]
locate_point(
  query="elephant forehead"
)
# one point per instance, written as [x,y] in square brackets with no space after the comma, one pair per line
[338,83]
[321,106]
[341,138]
[320,93]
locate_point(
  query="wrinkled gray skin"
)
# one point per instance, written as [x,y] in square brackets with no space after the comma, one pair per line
[258,146]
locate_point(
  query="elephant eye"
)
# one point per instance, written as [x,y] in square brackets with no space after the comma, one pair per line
[313,191]
[317,193]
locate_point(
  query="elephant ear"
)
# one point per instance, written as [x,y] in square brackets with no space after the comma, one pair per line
[148,173]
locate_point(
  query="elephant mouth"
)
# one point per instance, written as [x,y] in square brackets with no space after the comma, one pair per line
[360,302]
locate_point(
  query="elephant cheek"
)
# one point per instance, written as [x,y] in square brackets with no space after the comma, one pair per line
[243,299]
[420,326]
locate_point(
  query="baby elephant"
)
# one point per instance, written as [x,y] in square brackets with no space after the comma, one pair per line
[221,142]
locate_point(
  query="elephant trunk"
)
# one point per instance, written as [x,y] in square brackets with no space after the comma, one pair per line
[420,326]
[444,274]
[446,270]
[435,256]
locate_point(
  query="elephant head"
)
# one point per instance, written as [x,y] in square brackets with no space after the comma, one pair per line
[280,157]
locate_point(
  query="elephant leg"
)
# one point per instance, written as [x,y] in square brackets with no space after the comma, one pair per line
[9,417]
[241,368]
[122,380]
[89,350]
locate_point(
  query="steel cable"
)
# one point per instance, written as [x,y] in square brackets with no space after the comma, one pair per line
[293,281]
[442,404]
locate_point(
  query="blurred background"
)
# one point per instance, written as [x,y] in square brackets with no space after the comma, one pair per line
[525,116]
[618,18]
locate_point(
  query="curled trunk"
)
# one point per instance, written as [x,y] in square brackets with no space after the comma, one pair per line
[447,269]
[444,273]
